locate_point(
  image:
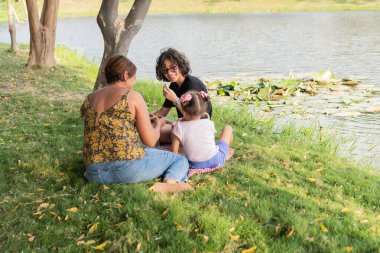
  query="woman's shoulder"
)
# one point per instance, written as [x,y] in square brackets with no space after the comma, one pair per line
[194,79]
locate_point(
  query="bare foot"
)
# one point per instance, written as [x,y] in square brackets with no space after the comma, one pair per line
[170,187]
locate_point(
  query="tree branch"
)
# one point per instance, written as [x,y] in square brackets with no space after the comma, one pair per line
[34,23]
[136,15]
[108,13]
[49,14]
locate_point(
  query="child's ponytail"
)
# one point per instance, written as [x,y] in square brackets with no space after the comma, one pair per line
[195,103]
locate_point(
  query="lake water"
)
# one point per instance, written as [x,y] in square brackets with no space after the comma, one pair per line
[233,46]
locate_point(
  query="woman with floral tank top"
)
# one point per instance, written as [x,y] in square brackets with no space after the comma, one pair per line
[116,121]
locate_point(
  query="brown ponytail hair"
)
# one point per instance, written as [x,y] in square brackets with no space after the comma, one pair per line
[195,103]
[116,67]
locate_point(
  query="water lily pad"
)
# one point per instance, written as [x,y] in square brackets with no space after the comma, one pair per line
[347,114]
[323,75]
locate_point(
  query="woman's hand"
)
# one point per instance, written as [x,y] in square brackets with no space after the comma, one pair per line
[169,94]
[157,121]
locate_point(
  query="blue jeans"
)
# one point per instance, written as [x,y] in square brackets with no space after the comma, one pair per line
[155,163]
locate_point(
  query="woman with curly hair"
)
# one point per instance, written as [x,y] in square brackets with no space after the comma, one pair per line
[174,67]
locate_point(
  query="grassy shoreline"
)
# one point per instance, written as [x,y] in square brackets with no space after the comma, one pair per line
[285,192]
[81,8]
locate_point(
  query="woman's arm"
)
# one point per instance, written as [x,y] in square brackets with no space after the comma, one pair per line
[149,134]
[162,112]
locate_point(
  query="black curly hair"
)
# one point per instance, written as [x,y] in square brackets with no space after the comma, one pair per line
[176,58]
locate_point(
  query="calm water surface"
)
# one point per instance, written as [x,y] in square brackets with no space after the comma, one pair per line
[257,44]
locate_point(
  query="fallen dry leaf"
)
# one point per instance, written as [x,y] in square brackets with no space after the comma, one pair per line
[323,228]
[93,228]
[165,213]
[290,231]
[100,246]
[347,249]
[80,237]
[43,205]
[178,226]
[312,180]
[119,224]
[89,242]
[345,210]
[72,210]
[205,238]
[138,247]
[250,250]
[234,237]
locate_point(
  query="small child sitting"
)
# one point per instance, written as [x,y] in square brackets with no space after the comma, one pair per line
[196,133]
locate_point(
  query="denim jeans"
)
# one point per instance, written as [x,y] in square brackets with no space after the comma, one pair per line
[155,163]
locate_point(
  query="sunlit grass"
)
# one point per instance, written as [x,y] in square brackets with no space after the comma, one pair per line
[276,193]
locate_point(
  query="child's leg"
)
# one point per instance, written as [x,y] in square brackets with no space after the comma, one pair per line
[227,135]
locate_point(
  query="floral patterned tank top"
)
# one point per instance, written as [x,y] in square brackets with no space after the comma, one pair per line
[111,135]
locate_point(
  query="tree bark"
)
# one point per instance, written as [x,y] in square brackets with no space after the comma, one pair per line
[42,33]
[118,32]
[12,27]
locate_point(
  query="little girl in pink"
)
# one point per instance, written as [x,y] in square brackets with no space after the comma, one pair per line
[195,131]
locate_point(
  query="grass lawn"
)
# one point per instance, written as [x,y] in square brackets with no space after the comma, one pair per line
[285,192]
[75,8]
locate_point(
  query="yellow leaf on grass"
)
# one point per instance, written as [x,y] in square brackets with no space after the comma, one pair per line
[345,210]
[138,247]
[53,214]
[67,217]
[119,224]
[363,221]
[89,242]
[250,250]
[323,228]
[100,246]
[347,249]
[93,228]
[234,237]
[178,226]
[72,210]
[37,213]
[290,231]
[80,242]
[319,170]
[205,238]
[44,205]
[312,180]
[165,213]
[80,237]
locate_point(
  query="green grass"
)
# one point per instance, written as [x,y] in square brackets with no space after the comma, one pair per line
[274,193]
[77,8]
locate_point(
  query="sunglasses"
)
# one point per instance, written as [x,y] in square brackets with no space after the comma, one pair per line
[172,68]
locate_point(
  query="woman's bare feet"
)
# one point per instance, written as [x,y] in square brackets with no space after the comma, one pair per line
[171,187]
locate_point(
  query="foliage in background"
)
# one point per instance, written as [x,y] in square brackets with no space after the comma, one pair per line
[77,8]
[281,192]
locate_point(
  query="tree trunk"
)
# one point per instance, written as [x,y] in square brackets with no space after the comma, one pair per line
[12,27]
[42,33]
[118,32]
